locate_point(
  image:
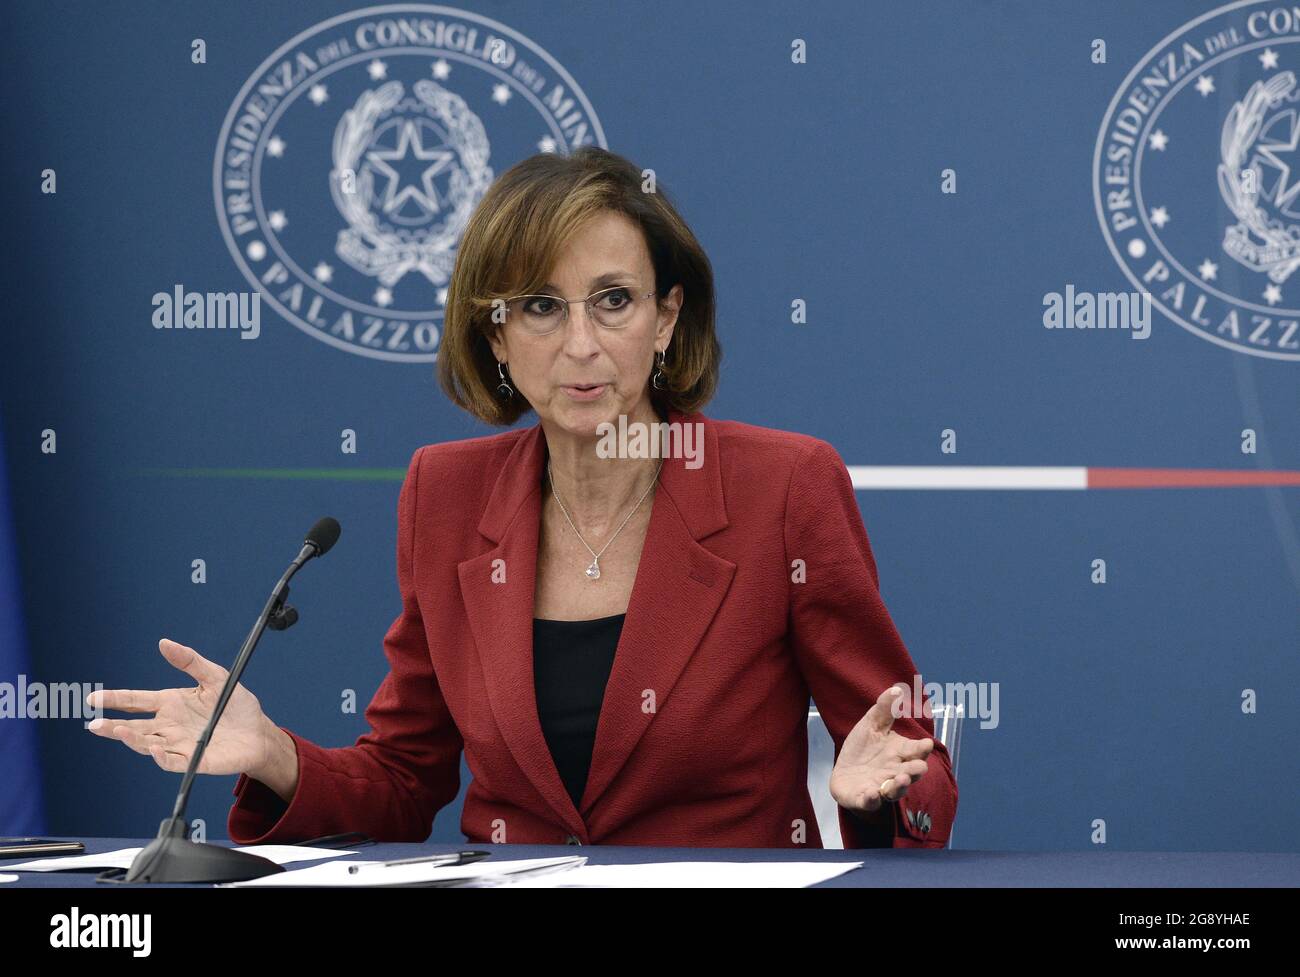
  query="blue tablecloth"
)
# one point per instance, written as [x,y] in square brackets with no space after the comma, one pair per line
[883,868]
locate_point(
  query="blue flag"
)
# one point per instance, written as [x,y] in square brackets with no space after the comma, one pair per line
[21,807]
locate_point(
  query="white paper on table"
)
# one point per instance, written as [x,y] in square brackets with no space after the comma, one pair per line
[485,872]
[280,854]
[695,875]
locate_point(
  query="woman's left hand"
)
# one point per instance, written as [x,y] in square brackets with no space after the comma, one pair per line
[874,756]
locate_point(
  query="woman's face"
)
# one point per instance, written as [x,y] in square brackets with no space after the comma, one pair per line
[609,250]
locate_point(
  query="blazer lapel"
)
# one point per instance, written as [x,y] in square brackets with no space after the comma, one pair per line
[678,589]
[501,616]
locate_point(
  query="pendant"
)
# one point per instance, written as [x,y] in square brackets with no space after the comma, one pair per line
[593,571]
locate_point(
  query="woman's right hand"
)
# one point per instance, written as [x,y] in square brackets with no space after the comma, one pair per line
[245,740]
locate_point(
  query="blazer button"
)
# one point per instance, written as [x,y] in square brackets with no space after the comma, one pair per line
[572,840]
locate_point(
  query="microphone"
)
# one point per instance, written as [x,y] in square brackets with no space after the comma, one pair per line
[171,856]
[320,538]
[323,535]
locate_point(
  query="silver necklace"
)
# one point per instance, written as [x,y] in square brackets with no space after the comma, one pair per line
[593,571]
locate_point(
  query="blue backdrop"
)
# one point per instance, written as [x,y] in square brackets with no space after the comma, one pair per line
[21,801]
[821,181]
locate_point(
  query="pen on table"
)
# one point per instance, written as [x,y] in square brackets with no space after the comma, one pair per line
[452,858]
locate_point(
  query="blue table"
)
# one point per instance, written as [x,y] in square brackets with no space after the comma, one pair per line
[883,868]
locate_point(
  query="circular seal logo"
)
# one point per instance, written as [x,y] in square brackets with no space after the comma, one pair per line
[1196,177]
[351,160]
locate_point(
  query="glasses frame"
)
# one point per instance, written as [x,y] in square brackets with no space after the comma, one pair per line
[564,304]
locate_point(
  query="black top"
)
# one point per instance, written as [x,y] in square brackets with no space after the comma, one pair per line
[571,665]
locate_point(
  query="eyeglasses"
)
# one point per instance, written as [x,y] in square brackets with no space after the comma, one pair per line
[540,315]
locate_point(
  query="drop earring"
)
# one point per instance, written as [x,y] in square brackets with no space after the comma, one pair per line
[504,388]
[657,380]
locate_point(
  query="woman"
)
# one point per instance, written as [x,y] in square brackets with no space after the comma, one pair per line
[622,643]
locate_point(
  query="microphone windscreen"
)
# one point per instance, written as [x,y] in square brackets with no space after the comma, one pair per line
[324,535]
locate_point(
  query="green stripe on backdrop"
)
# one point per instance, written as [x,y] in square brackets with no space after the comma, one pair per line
[317,474]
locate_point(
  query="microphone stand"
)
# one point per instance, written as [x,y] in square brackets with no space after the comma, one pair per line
[171,856]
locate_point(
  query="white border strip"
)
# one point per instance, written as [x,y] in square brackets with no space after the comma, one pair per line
[966,477]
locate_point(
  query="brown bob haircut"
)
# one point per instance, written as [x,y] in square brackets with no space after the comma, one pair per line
[510,246]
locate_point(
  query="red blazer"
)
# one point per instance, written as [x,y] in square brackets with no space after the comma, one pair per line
[702,738]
